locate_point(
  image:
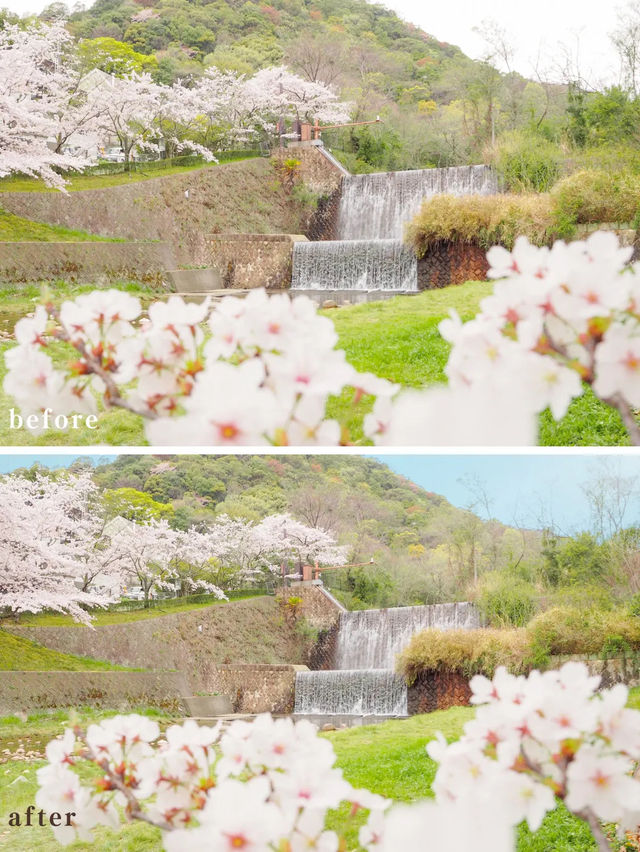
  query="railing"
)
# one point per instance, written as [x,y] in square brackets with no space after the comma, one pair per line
[127,605]
[147,166]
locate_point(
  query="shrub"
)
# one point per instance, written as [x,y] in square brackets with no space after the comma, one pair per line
[558,631]
[527,163]
[484,220]
[587,197]
[578,630]
[506,601]
[465,651]
[590,196]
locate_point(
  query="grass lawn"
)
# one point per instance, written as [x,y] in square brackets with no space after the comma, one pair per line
[397,339]
[389,759]
[102,617]
[90,181]
[19,654]
[16,229]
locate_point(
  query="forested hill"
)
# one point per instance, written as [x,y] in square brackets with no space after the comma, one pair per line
[425,549]
[245,36]
[380,63]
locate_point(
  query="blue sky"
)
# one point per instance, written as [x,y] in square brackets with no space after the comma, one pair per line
[525,489]
[522,487]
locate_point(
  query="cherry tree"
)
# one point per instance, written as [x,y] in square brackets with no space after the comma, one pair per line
[278,91]
[248,549]
[36,88]
[128,108]
[47,536]
[237,107]
[153,553]
[285,539]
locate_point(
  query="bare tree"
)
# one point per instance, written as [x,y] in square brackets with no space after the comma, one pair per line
[318,58]
[317,505]
[626,40]
[611,495]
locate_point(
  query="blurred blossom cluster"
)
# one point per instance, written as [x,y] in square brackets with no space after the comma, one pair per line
[262,370]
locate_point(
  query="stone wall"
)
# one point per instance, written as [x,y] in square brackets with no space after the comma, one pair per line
[451,263]
[454,263]
[323,653]
[242,197]
[318,607]
[316,170]
[437,691]
[324,222]
[616,670]
[85,261]
[255,688]
[30,691]
[251,631]
[246,261]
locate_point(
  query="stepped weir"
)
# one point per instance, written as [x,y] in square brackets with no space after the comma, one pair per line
[364,681]
[369,253]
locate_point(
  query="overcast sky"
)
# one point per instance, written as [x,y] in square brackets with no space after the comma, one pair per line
[536,27]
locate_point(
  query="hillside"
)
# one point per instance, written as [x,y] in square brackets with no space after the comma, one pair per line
[410,545]
[382,64]
[250,631]
[425,550]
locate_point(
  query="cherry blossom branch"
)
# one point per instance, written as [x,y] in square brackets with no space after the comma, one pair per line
[112,397]
[629,419]
[134,809]
[599,836]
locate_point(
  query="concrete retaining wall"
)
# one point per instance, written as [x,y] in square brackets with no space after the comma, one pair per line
[255,688]
[30,691]
[180,209]
[246,261]
[251,631]
[85,262]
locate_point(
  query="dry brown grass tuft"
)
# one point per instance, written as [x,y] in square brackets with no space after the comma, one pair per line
[483,220]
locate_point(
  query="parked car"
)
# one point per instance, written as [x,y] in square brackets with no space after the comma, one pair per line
[113,155]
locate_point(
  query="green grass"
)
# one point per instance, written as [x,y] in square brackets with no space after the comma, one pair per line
[80,182]
[389,759]
[18,654]
[397,339]
[16,229]
[103,617]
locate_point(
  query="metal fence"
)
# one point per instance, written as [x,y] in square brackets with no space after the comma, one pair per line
[125,605]
[152,166]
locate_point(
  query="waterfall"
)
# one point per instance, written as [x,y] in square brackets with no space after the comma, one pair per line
[358,265]
[351,693]
[364,681]
[377,206]
[369,254]
[371,638]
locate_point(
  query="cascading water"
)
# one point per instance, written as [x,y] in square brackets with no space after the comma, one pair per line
[369,253]
[364,682]
[360,265]
[377,206]
[351,693]
[371,638]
